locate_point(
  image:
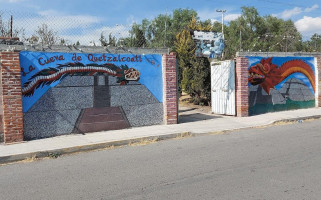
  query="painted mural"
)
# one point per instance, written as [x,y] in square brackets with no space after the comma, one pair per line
[67,93]
[50,75]
[280,83]
[208,44]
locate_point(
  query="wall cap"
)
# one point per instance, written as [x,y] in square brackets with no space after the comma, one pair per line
[84,49]
[278,54]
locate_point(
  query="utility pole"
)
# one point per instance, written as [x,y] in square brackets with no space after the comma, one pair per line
[240,40]
[222,11]
[287,37]
[316,37]
[11,24]
[165,28]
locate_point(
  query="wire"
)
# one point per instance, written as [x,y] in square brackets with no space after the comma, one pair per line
[284,3]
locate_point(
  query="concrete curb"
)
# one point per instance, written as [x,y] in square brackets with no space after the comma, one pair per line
[297,119]
[91,147]
[84,148]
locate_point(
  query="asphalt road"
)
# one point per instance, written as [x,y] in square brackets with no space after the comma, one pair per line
[279,162]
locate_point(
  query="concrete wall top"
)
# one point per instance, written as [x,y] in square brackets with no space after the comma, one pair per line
[278,54]
[84,49]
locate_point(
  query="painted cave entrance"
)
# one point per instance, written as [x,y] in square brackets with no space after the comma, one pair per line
[65,95]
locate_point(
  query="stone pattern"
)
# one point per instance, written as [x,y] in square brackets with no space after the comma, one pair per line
[66,98]
[293,89]
[296,90]
[12,116]
[144,115]
[139,104]
[257,94]
[49,123]
[242,89]
[276,97]
[76,81]
[57,111]
[131,95]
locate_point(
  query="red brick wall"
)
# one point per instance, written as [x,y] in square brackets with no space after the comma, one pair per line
[170,89]
[242,89]
[1,111]
[12,116]
[319,81]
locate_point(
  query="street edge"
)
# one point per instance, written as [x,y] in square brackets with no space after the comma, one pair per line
[91,147]
[85,148]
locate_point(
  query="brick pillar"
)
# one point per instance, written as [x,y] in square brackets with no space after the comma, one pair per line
[319,81]
[12,116]
[242,89]
[1,110]
[170,89]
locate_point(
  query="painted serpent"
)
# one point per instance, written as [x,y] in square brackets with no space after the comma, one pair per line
[267,75]
[50,75]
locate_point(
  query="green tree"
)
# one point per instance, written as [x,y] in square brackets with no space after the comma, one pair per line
[158,31]
[137,33]
[315,43]
[185,49]
[194,73]
[251,32]
[180,20]
[161,31]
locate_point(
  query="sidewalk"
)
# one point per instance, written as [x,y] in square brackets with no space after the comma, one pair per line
[193,124]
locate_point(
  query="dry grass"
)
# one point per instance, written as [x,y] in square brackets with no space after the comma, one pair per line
[110,147]
[311,119]
[30,159]
[184,135]
[281,123]
[287,122]
[143,142]
[218,132]
[263,126]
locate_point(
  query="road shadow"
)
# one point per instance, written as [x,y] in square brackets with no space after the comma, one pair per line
[194,114]
[195,117]
[186,110]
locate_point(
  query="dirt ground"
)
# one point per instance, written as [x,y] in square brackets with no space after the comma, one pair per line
[184,102]
[188,112]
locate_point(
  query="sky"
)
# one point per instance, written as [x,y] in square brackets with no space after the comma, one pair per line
[87,19]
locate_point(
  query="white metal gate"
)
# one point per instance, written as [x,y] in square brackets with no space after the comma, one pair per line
[223,87]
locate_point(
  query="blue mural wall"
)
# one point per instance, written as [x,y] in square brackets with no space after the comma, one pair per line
[41,64]
[281,83]
[67,93]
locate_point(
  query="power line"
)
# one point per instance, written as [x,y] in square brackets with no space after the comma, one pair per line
[285,3]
